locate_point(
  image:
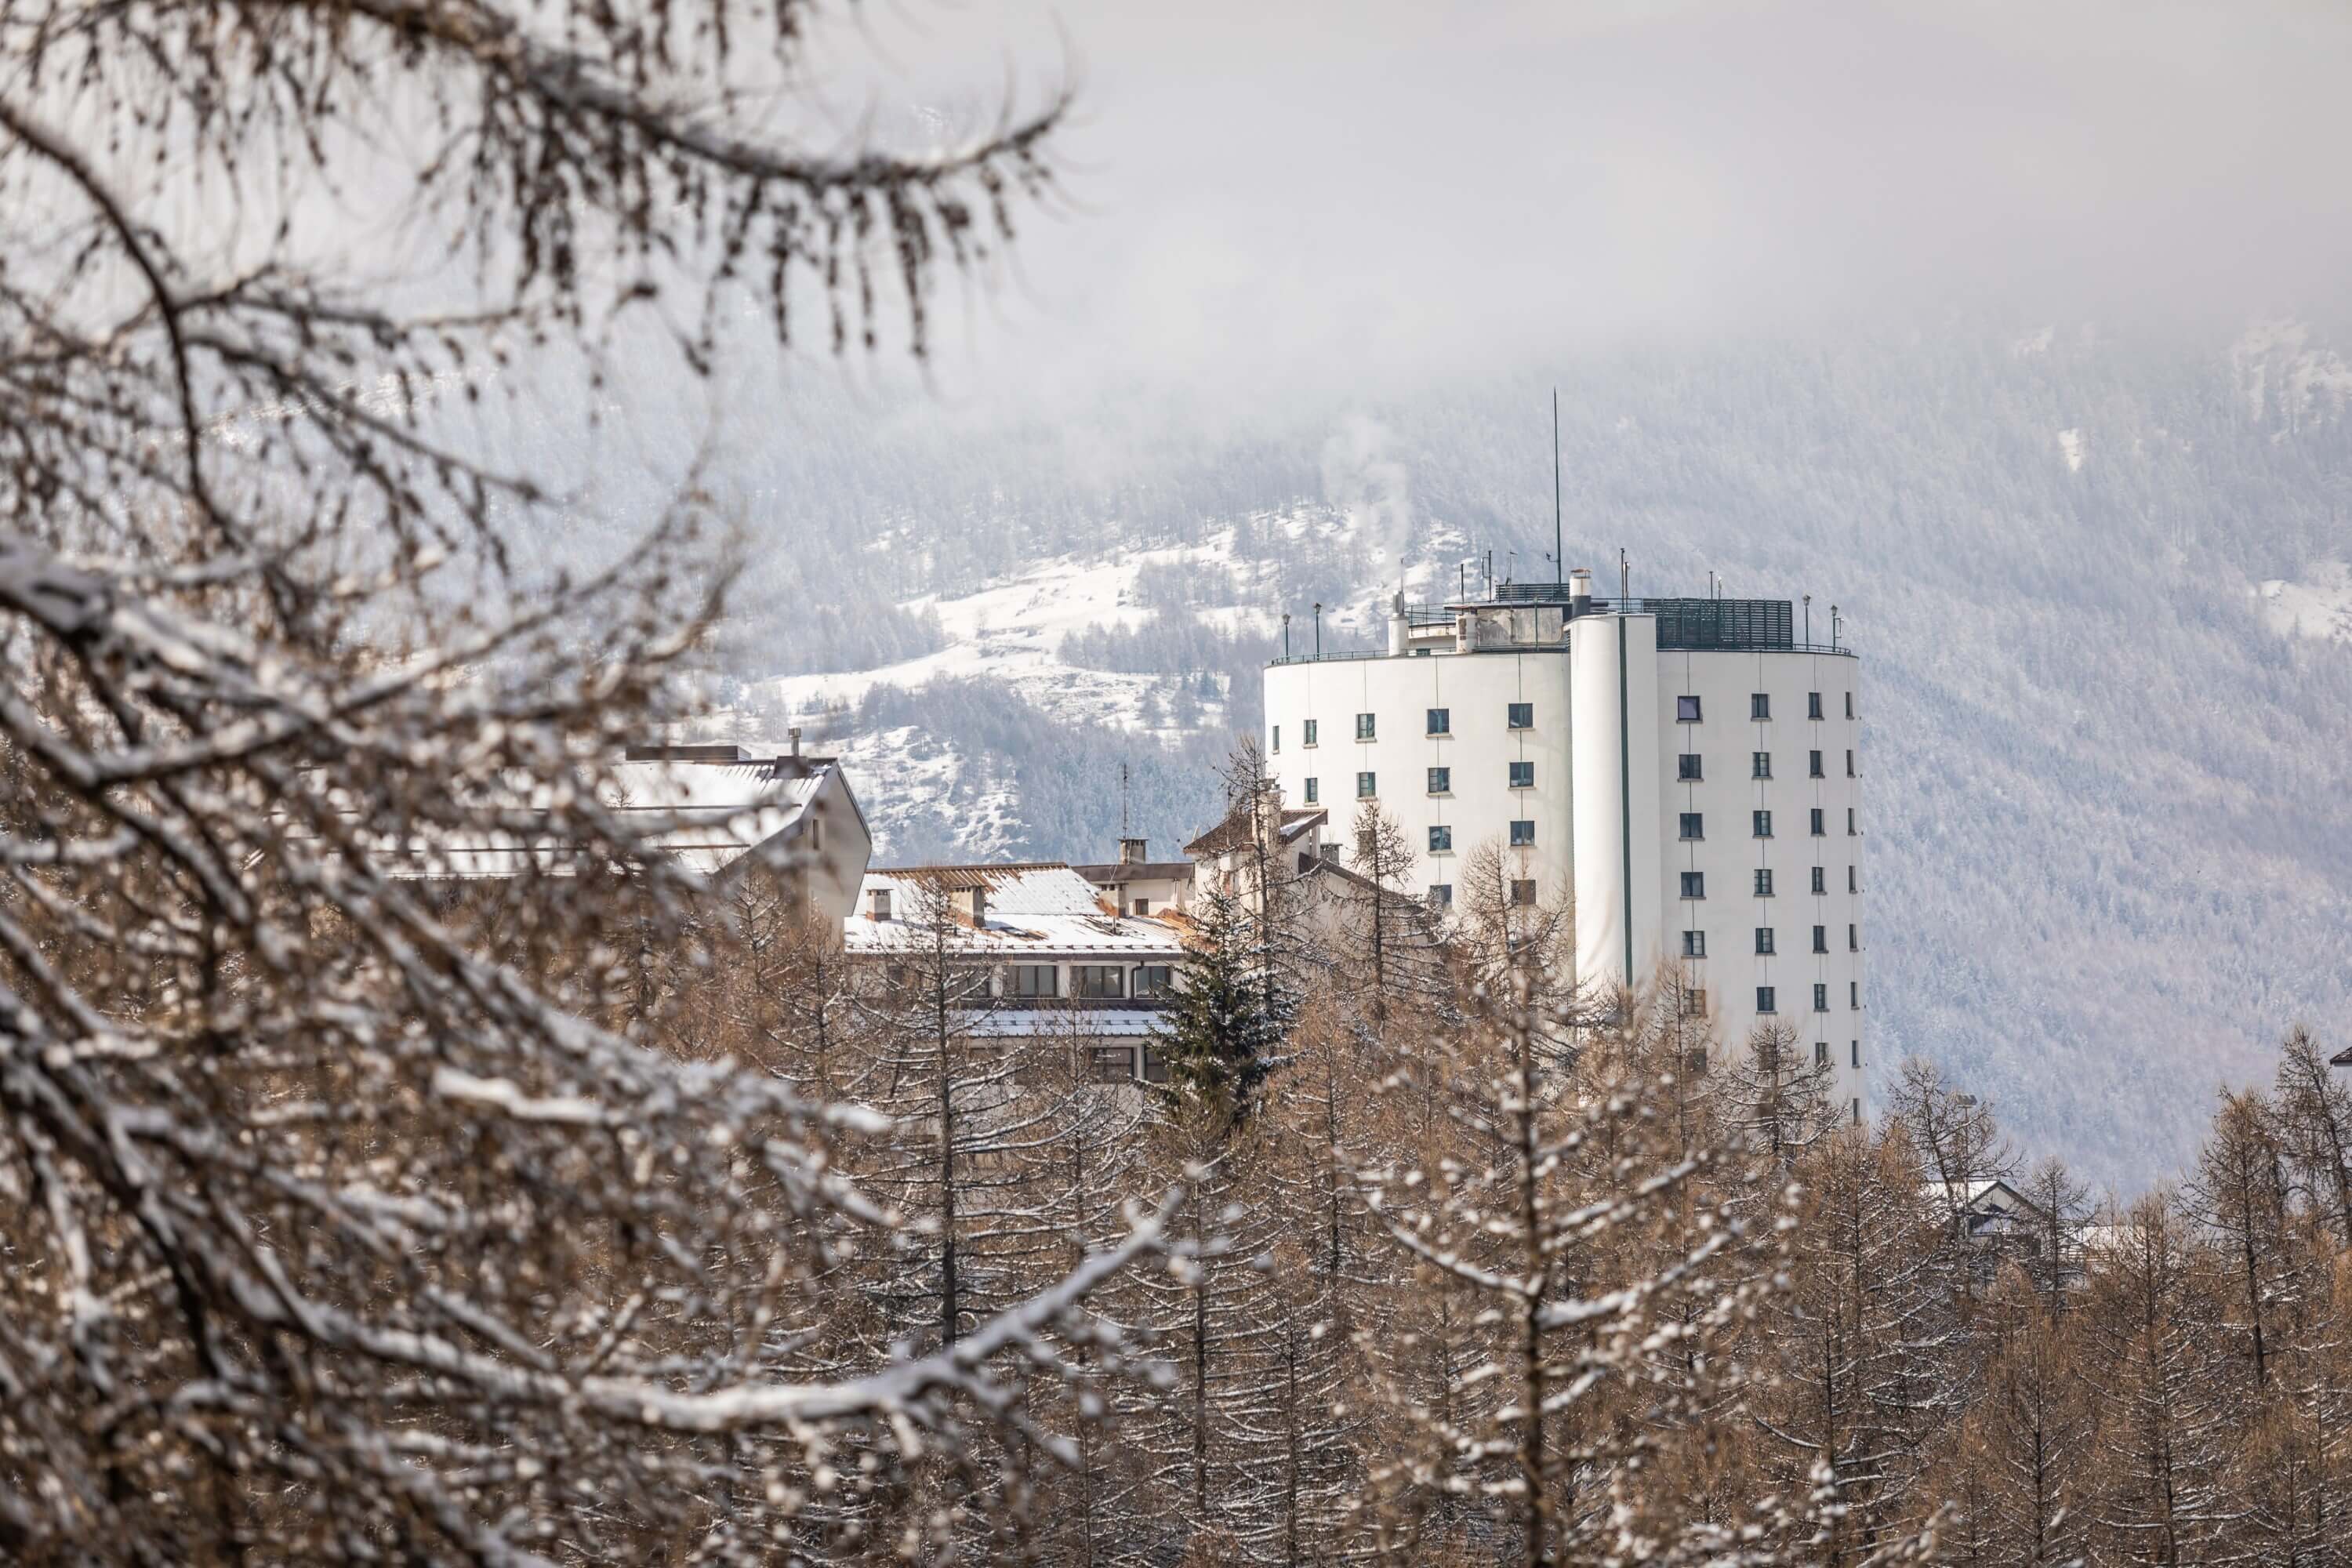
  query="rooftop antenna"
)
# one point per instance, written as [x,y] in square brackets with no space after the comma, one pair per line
[1319,628]
[1624,580]
[1559,549]
[1122,800]
[1286,635]
[1809,620]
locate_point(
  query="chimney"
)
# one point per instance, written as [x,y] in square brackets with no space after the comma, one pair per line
[1400,632]
[1580,591]
[1131,851]
[795,733]
[979,905]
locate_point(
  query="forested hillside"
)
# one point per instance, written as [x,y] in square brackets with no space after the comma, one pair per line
[2095,583]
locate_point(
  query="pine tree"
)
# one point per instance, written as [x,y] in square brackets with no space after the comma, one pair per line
[1232,1017]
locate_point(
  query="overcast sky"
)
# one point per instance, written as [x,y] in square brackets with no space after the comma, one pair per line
[1312,194]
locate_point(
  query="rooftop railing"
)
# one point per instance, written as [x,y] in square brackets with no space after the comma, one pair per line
[1685,626]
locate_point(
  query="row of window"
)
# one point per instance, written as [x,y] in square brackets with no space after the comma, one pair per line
[1690,769]
[1695,941]
[1767,997]
[1441,894]
[1517,716]
[1522,716]
[1523,834]
[1088,982]
[1693,824]
[1695,882]
[1687,709]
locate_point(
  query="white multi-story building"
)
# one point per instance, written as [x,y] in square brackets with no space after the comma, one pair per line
[1686,770]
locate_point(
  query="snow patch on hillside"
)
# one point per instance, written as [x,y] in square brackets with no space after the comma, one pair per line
[2318,606]
[2070,442]
[1011,631]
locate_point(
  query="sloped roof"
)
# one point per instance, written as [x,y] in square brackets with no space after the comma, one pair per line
[2342,1059]
[1032,910]
[705,814]
[1234,830]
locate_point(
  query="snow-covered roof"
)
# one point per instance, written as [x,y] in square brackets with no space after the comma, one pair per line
[1029,909]
[705,814]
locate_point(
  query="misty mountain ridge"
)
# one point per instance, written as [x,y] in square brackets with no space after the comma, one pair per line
[2099,588]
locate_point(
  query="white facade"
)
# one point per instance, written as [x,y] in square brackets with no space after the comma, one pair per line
[1594,780]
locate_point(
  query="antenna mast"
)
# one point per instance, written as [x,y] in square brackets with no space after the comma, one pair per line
[1122,800]
[1559,551]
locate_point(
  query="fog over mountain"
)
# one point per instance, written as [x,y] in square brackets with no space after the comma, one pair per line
[2016,331]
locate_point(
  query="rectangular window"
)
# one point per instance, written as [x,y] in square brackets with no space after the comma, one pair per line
[1441,781]
[1820,879]
[1812,704]
[1098,982]
[1523,833]
[1307,736]
[1314,789]
[1523,775]
[1278,740]
[1852,938]
[1857,1053]
[1816,765]
[1765,1000]
[1849,704]
[1849,762]
[1523,893]
[1441,721]
[1155,1066]
[1033,980]
[1110,1064]
[1763,882]
[1821,1053]
[1694,1004]
[1849,828]
[1686,709]
[1154,979]
[1686,767]
[1849,882]
[1820,998]
[1141,907]
[1764,940]
[1817,822]
[1694,824]
[1763,824]
[1441,841]
[1857,1111]
[1820,939]
[1367,786]
[1694,884]
[1522,716]
[1364,726]
[1761,766]
[881,903]
[1759,706]
[1853,994]
[1440,895]
[1694,944]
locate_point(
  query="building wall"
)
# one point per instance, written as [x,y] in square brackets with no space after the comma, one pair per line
[1477,691]
[1730,854]
[1582,763]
